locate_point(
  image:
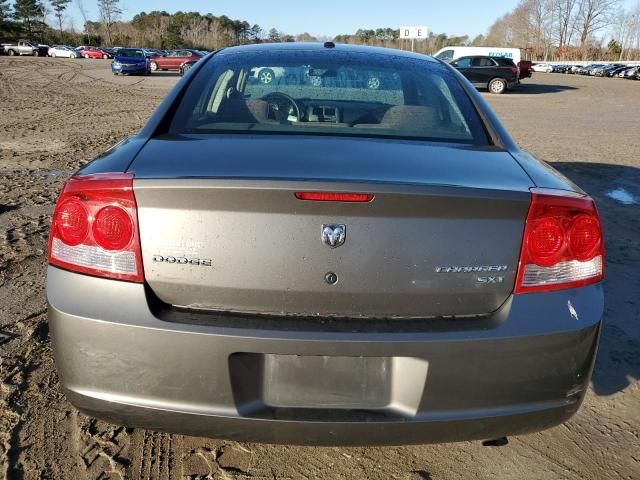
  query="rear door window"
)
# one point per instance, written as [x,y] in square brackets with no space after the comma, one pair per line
[483,62]
[464,62]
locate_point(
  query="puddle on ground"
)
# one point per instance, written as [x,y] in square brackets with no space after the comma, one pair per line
[53,173]
[623,196]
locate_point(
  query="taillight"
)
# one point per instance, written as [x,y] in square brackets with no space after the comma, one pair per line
[514,69]
[334,196]
[94,229]
[562,246]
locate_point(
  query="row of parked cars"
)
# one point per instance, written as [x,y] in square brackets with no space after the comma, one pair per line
[630,72]
[126,60]
[144,61]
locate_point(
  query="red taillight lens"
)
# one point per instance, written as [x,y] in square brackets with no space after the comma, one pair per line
[545,241]
[562,246]
[514,69]
[112,228]
[584,237]
[334,197]
[94,229]
[72,221]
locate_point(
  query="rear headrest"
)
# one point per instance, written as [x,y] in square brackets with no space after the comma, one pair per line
[414,117]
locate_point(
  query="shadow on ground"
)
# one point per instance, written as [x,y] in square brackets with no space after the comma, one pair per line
[618,361]
[535,88]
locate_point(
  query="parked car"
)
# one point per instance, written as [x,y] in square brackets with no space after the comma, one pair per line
[493,73]
[130,61]
[173,59]
[325,266]
[525,69]
[93,52]
[448,54]
[186,66]
[106,53]
[603,70]
[542,67]
[632,73]
[24,47]
[63,51]
[613,72]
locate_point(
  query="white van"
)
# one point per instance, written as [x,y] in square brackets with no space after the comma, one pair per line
[449,54]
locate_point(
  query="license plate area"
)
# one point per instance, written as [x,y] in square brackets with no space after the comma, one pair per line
[264,384]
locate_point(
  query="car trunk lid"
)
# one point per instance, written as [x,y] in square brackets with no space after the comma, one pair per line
[223,230]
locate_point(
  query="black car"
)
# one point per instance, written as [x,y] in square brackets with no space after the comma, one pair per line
[614,71]
[493,73]
[186,66]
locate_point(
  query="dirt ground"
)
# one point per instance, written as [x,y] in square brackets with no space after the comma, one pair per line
[57,114]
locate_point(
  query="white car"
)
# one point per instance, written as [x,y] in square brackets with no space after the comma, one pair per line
[542,67]
[62,51]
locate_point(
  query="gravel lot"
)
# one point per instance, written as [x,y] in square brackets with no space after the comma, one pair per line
[56,114]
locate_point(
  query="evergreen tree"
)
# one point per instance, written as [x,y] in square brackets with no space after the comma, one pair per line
[28,11]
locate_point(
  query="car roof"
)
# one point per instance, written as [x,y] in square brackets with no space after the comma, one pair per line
[319,46]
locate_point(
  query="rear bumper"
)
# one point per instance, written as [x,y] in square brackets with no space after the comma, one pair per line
[524,369]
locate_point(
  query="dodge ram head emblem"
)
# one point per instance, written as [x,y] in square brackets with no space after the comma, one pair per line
[334,235]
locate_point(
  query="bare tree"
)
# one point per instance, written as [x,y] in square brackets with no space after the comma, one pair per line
[110,11]
[594,15]
[59,7]
[565,18]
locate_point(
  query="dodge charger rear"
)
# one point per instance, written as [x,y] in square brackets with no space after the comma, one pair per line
[314,261]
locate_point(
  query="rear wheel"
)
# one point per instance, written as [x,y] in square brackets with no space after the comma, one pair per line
[12,53]
[105,56]
[154,66]
[497,85]
[266,76]
[86,55]
[36,53]
[53,55]
[373,83]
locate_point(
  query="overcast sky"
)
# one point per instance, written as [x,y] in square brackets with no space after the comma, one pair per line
[331,17]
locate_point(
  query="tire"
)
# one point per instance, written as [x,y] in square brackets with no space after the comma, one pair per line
[53,55]
[105,56]
[154,66]
[266,76]
[11,53]
[86,55]
[36,53]
[373,83]
[497,86]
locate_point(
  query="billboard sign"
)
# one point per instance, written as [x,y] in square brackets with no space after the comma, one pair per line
[414,33]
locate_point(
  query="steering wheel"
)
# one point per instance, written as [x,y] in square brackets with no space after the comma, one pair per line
[284,104]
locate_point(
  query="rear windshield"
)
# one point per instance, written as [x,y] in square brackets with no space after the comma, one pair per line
[328,92]
[131,53]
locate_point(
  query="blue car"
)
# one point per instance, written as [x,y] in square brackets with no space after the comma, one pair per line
[130,60]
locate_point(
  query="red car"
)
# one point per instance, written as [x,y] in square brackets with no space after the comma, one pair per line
[92,52]
[174,59]
[525,68]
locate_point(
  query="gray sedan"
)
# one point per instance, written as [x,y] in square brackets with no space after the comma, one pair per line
[325,263]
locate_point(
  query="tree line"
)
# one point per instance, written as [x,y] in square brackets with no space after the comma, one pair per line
[544,29]
[569,30]
[44,22]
